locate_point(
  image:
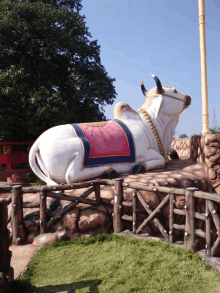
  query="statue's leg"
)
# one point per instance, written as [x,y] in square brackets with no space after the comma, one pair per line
[77,172]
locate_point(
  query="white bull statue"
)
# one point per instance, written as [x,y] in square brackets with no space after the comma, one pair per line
[134,141]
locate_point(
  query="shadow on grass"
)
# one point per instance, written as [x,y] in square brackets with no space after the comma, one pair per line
[90,285]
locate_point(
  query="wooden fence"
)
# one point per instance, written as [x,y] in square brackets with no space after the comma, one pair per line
[16,198]
[189,211]
[190,232]
[6,271]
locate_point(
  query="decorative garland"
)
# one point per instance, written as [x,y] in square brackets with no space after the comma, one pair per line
[153,128]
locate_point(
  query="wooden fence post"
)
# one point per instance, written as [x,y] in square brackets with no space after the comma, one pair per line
[134,210]
[189,238]
[43,207]
[216,220]
[16,213]
[207,229]
[97,193]
[118,198]
[6,271]
[171,218]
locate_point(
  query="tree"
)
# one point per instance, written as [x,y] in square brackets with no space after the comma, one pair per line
[183,136]
[51,71]
[215,130]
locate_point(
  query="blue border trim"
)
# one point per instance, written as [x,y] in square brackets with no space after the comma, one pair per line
[106,160]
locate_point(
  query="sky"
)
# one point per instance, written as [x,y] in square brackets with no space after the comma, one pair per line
[138,38]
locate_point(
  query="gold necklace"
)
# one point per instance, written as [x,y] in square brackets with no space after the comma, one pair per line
[153,128]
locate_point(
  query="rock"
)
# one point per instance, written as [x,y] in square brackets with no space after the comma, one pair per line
[215,144]
[209,151]
[180,201]
[188,142]
[212,174]
[31,237]
[203,185]
[165,211]
[217,190]
[68,221]
[46,238]
[21,232]
[32,216]
[10,238]
[201,206]
[153,227]
[54,204]
[187,183]
[86,235]
[215,157]
[206,140]
[177,235]
[92,219]
[100,208]
[150,198]
[110,209]
[33,228]
[146,229]
[195,154]
[73,236]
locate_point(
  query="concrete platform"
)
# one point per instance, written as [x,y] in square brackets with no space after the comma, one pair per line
[21,255]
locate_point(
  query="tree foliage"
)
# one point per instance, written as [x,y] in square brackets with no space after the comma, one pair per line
[183,136]
[215,130]
[50,69]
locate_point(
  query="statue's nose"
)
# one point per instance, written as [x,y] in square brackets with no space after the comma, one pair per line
[188,100]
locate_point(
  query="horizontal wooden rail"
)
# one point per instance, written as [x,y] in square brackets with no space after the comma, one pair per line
[179,227]
[179,212]
[200,233]
[119,203]
[66,186]
[127,203]
[127,218]
[72,198]
[30,223]
[141,186]
[5,189]
[205,195]
[29,205]
[200,216]
[8,199]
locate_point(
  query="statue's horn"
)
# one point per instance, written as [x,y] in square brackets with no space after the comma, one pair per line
[158,83]
[144,91]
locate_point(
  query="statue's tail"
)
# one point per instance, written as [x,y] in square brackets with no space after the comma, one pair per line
[34,152]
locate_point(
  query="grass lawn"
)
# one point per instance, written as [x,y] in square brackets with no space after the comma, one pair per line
[110,263]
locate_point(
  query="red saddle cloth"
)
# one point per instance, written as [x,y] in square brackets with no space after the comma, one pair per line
[105,142]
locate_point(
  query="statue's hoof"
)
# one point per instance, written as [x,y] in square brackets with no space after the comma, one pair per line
[174,155]
[137,169]
[111,175]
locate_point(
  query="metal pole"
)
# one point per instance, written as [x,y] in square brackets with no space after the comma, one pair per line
[205,114]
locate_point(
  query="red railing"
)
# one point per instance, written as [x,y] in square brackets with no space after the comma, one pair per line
[14,153]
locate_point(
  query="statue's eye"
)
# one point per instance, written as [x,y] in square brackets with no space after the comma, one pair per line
[175,91]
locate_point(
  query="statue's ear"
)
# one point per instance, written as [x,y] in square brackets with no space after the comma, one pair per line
[157,105]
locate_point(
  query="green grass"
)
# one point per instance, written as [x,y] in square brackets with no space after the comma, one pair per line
[110,263]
